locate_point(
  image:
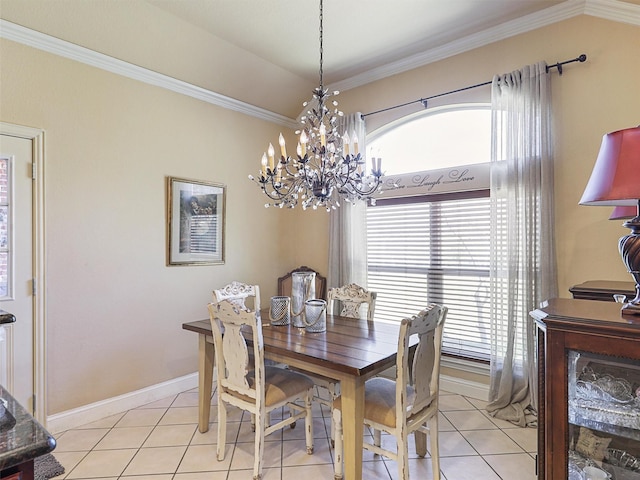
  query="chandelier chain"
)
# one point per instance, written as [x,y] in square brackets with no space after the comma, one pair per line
[321,49]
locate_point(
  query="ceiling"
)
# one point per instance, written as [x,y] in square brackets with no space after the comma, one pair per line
[265,53]
[359,35]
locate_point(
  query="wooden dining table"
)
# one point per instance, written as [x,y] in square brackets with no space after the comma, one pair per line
[350,351]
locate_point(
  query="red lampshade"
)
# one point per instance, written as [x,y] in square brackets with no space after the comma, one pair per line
[623,212]
[615,179]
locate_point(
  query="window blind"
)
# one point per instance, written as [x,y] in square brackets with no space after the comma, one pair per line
[434,251]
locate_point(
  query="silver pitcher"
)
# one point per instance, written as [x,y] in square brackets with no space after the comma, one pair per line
[303,288]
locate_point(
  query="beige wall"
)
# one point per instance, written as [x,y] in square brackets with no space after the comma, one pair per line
[589,100]
[114,309]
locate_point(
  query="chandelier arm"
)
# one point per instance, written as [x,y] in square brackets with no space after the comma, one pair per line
[281,194]
[290,172]
[341,181]
[371,190]
[346,178]
[278,187]
[306,180]
[264,189]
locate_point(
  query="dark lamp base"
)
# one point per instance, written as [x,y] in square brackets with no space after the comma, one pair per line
[631,309]
[629,247]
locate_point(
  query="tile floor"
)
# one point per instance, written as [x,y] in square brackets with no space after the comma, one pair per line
[160,441]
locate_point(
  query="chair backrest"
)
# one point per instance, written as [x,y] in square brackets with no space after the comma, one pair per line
[237,293]
[351,298]
[425,370]
[231,350]
[285,283]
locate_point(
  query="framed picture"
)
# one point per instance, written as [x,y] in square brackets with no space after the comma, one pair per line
[195,230]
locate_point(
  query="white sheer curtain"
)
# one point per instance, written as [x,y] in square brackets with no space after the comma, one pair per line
[348,227]
[523,266]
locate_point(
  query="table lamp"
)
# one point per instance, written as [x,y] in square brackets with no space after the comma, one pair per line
[623,212]
[615,181]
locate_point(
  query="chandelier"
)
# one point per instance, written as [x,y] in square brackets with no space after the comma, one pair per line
[326,167]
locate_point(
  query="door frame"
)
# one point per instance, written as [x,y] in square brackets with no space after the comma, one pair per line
[39,312]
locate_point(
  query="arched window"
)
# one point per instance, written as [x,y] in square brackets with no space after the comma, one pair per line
[433,244]
[434,139]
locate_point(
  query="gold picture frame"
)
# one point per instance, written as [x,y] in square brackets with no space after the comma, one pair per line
[195,222]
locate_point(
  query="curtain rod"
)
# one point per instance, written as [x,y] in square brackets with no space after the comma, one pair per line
[581,58]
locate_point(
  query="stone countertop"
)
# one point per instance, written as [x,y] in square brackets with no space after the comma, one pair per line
[22,438]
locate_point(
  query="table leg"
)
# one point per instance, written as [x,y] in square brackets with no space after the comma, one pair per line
[205,381]
[352,392]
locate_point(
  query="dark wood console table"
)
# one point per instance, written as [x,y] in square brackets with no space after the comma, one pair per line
[602,290]
[571,334]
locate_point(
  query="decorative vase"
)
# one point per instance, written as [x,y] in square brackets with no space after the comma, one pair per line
[280,311]
[303,288]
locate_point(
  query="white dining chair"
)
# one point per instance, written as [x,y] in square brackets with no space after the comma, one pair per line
[352,299]
[248,384]
[236,292]
[408,404]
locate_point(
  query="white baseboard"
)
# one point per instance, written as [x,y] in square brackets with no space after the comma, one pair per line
[77,417]
[464,387]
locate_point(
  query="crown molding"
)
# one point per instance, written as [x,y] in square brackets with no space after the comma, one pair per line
[520,25]
[47,43]
[615,10]
[608,9]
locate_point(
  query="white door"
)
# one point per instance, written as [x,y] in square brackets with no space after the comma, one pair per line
[16,267]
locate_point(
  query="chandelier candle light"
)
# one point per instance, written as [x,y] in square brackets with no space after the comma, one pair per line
[323,169]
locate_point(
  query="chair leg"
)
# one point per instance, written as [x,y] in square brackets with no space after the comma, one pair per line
[337,452]
[403,454]
[261,418]
[435,454]
[421,443]
[292,412]
[308,421]
[332,397]
[222,430]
